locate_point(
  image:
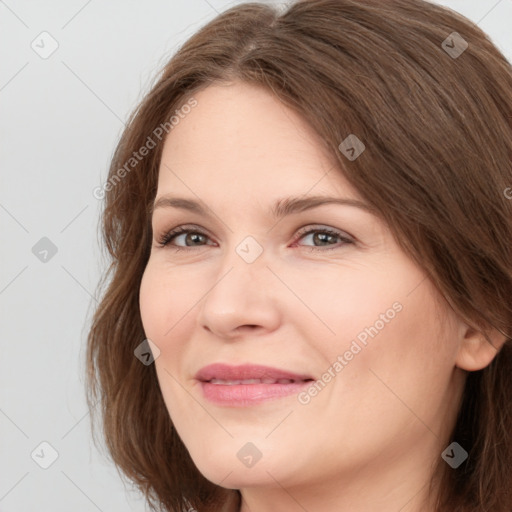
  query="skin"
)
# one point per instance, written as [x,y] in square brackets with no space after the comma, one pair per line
[369,439]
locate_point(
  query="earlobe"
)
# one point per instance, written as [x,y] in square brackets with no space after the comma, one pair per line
[475,351]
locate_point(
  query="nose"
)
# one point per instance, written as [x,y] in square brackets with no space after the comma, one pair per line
[243,298]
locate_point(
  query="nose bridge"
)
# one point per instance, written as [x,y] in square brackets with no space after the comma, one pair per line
[241,294]
[244,267]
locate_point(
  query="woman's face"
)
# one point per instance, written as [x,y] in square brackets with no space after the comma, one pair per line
[345,308]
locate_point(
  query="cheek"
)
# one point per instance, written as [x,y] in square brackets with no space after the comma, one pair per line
[408,363]
[165,297]
[383,325]
[352,304]
[150,303]
[161,307]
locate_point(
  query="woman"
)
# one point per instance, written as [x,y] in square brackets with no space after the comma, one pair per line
[309,297]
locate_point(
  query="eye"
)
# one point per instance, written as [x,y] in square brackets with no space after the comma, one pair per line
[183,232]
[323,236]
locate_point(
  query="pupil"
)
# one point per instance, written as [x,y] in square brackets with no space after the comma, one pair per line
[195,237]
[322,236]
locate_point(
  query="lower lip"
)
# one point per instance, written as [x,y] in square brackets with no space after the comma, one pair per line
[245,395]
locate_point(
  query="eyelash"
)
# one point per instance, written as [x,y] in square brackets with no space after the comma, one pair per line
[164,239]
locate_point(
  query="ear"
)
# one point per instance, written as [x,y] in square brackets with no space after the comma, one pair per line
[475,351]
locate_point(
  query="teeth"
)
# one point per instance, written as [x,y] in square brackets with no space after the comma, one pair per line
[225,382]
[250,381]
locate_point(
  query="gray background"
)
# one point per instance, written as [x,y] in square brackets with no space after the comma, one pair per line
[60,118]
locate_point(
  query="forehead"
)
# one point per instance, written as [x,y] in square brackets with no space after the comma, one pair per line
[242,137]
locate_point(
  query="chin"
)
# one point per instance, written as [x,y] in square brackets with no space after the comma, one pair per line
[234,473]
[238,478]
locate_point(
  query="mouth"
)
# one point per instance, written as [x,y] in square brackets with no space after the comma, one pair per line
[252,381]
[247,385]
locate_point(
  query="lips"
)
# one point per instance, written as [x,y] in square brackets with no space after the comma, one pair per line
[248,374]
[248,385]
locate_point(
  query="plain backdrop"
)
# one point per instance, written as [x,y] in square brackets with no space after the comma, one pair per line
[60,118]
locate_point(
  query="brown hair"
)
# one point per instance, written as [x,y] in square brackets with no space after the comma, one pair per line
[437,129]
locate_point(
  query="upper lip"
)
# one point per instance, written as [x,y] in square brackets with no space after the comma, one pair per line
[245,372]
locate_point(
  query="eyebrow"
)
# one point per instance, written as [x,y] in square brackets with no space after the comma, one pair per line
[281,208]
